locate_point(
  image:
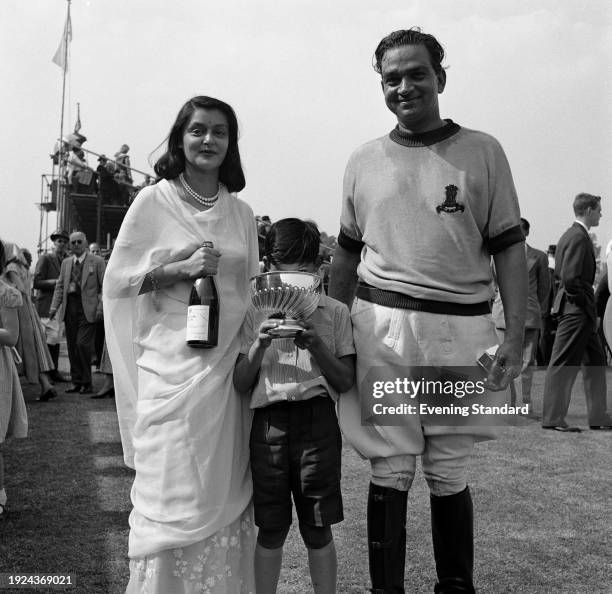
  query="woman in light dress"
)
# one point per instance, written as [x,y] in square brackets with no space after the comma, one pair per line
[32,344]
[184,428]
[13,415]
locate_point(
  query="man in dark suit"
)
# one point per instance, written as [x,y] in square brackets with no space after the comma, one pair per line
[77,300]
[576,340]
[549,322]
[537,303]
[45,277]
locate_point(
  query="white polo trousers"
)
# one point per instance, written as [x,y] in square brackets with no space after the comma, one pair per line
[395,339]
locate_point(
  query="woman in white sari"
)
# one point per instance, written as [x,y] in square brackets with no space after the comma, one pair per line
[183,427]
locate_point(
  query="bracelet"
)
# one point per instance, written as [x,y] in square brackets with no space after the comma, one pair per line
[155,288]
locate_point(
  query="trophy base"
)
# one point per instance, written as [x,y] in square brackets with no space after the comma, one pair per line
[285,328]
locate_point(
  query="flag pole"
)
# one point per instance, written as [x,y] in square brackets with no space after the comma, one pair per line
[61,194]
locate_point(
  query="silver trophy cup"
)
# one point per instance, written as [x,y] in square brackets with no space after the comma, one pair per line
[286,298]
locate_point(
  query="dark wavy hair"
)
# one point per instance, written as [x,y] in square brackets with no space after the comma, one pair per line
[292,241]
[172,162]
[584,201]
[412,36]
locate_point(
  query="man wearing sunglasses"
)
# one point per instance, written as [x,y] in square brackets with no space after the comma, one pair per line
[77,301]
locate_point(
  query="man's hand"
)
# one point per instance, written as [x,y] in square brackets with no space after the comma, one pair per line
[506,366]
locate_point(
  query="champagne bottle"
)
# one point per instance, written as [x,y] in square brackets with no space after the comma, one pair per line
[203,312]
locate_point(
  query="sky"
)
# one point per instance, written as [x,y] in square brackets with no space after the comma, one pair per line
[533,73]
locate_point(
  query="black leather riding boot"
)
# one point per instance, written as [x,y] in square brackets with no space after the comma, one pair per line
[452,528]
[387,539]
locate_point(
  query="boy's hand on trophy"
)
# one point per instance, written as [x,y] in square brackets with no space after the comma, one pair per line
[264,338]
[308,338]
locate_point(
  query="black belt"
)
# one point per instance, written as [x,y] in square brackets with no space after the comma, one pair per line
[393,299]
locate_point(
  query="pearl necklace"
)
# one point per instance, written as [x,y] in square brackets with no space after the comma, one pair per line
[203,200]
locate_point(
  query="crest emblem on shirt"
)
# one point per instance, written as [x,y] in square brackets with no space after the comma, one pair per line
[450,203]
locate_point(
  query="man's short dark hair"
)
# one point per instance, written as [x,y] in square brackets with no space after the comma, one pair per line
[583,201]
[525,224]
[412,36]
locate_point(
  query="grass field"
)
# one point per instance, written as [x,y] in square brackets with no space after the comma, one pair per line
[542,501]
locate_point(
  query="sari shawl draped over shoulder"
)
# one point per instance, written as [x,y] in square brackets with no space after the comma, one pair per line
[184,428]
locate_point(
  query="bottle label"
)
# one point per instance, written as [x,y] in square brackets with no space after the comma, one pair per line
[197,322]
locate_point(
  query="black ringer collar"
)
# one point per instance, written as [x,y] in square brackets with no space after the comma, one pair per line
[425,138]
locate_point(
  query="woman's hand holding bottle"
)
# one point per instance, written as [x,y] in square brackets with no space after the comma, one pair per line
[203,262]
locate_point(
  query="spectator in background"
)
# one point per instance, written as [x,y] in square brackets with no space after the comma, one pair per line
[108,387]
[576,340]
[109,190]
[263,225]
[324,272]
[77,300]
[604,305]
[537,302]
[122,160]
[123,174]
[80,175]
[13,414]
[549,322]
[123,190]
[32,344]
[27,259]
[55,156]
[27,256]
[94,248]
[45,277]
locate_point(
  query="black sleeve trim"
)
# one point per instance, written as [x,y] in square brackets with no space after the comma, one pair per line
[504,240]
[349,244]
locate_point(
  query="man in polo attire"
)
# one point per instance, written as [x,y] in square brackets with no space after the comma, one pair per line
[424,209]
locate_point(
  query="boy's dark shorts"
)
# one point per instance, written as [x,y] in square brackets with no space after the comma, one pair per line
[296,449]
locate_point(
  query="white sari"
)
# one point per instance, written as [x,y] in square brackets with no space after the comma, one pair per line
[183,427]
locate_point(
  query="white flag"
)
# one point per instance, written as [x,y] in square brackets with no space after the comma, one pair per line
[60,57]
